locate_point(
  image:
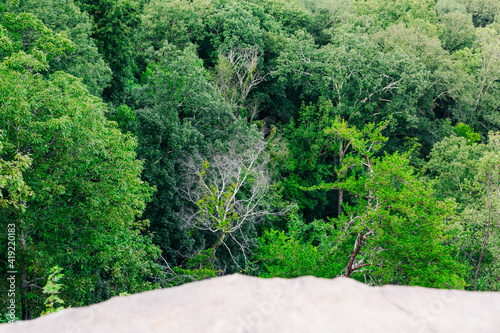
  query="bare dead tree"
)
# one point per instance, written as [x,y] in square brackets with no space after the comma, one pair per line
[227,191]
[237,73]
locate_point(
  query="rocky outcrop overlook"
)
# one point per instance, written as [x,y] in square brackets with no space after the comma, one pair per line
[238,304]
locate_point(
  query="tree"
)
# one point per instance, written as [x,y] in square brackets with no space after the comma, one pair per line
[308,159]
[13,189]
[489,179]
[467,132]
[28,45]
[485,106]
[52,288]
[85,61]
[180,114]
[443,87]
[237,73]
[386,12]
[228,196]
[177,111]
[393,230]
[478,103]
[178,22]
[456,31]
[483,12]
[467,172]
[363,83]
[286,256]
[116,24]
[87,195]
[452,166]
[250,33]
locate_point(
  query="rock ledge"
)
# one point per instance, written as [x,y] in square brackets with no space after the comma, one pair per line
[243,304]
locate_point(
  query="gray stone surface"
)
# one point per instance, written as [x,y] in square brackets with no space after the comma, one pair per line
[238,303]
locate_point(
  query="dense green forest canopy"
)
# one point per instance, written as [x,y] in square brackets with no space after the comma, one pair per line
[150,143]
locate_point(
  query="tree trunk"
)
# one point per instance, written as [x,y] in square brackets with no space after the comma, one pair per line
[484,242]
[341,191]
[354,254]
[25,306]
[215,247]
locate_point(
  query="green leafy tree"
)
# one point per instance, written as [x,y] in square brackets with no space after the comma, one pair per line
[443,89]
[85,61]
[178,22]
[284,256]
[301,250]
[488,179]
[309,159]
[479,103]
[386,12]
[483,12]
[467,132]
[456,31]
[175,90]
[52,288]
[115,29]
[393,230]
[363,83]
[87,195]
[238,41]
[14,191]
[28,45]
[452,165]
[467,172]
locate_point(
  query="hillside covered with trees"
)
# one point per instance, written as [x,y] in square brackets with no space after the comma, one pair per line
[149,143]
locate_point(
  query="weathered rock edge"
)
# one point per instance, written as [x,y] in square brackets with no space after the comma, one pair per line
[238,303]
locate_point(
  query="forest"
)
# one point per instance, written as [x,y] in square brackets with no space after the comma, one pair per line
[150,143]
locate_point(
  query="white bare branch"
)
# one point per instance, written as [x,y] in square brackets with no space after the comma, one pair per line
[237,73]
[227,191]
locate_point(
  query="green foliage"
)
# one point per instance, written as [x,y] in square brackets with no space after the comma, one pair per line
[484,219]
[364,84]
[181,275]
[114,30]
[412,229]
[27,44]
[125,117]
[52,288]
[395,224]
[385,12]
[453,165]
[84,179]
[212,205]
[467,132]
[198,267]
[175,93]
[302,250]
[85,61]
[468,172]
[177,22]
[14,191]
[456,31]
[483,12]
[337,104]
[179,115]
[286,257]
[309,160]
